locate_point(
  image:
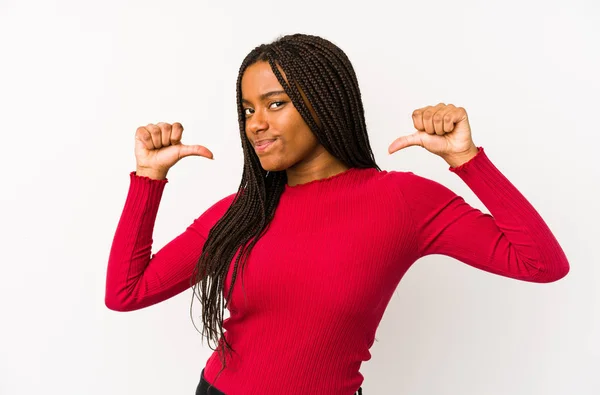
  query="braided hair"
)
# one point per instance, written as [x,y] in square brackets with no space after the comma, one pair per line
[319,78]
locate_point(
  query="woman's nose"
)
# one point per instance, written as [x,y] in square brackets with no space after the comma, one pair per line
[257,122]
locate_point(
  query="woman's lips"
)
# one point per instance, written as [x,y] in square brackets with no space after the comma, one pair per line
[263,145]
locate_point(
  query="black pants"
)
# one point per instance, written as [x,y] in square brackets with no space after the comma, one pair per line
[203,389]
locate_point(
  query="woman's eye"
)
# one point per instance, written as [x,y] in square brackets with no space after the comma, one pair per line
[279,104]
[247,111]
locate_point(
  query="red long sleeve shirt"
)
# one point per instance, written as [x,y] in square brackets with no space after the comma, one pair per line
[318,281]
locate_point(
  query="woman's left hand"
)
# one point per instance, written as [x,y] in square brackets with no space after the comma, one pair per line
[443,130]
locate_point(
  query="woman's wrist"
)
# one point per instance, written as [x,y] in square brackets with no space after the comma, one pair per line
[151,173]
[459,160]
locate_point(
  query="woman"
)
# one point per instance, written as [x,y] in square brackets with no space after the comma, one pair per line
[322,236]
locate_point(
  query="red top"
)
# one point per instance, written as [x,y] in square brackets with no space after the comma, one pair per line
[318,281]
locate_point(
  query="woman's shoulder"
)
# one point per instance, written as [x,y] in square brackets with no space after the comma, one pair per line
[398,177]
[213,213]
[410,182]
[221,206]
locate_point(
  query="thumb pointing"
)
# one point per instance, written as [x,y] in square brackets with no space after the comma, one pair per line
[194,150]
[406,141]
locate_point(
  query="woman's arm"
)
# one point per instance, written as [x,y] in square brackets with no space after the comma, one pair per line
[136,279]
[514,241]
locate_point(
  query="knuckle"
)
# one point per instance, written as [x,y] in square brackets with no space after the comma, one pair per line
[163,126]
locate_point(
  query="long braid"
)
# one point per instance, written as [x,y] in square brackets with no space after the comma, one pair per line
[319,70]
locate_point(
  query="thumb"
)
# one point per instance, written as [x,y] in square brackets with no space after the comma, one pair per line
[407,141]
[194,150]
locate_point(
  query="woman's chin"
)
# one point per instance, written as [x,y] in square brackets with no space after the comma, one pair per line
[269,165]
[273,169]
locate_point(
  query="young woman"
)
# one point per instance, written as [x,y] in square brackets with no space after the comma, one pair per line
[319,236]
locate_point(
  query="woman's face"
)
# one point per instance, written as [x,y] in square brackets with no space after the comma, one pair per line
[274,128]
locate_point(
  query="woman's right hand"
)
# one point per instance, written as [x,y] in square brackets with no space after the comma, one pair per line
[158,147]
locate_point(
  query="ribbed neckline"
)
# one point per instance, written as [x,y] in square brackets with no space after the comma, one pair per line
[328,180]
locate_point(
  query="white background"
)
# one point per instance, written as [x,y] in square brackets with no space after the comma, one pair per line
[77,78]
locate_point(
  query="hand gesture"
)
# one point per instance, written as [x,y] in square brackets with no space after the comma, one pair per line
[443,130]
[158,147]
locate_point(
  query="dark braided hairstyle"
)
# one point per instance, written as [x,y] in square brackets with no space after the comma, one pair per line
[319,77]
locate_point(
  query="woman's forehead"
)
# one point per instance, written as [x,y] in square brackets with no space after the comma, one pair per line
[258,80]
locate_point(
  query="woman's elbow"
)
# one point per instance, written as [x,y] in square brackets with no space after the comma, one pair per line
[115,303]
[553,273]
